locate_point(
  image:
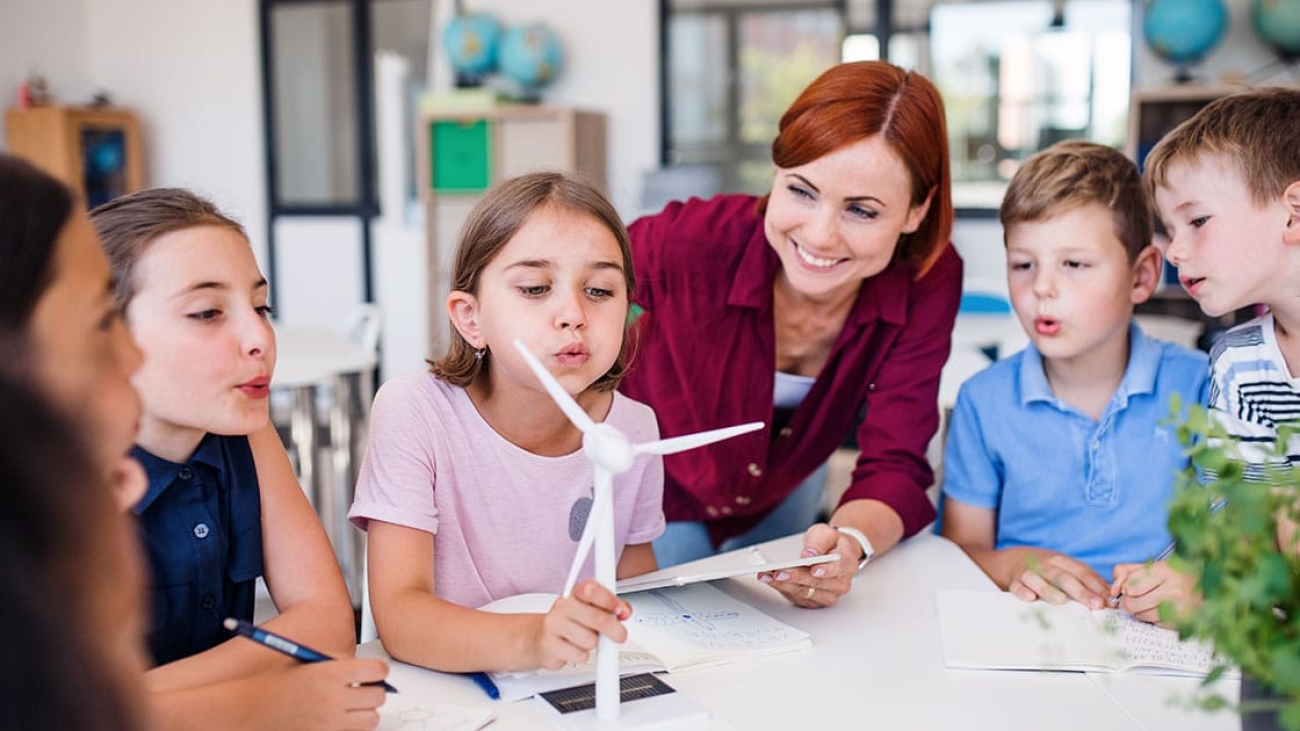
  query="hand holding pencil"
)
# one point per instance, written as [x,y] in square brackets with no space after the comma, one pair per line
[299,652]
[1140,589]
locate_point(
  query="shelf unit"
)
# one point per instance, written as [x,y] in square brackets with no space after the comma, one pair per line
[461,153]
[97,151]
[1154,112]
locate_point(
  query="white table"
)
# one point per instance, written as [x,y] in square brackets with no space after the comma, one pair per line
[308,359]
[877,663]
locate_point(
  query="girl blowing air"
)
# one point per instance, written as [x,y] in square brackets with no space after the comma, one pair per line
[223,506]
[473,486]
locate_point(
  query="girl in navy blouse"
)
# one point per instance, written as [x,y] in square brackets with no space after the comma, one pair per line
[223,506]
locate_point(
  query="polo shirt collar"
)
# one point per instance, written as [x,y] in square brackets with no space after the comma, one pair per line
[1139,375]
[885,299]
[162,473]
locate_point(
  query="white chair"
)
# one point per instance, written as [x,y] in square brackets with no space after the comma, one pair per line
[323,387]
[367,631]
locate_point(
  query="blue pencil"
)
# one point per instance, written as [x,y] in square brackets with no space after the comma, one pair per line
[301,653]
[484,681]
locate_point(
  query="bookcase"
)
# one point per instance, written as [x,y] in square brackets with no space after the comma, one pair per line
[96,151]
[461,153]
[1154,112]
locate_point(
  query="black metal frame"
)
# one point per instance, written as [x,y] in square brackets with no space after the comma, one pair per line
[366,206]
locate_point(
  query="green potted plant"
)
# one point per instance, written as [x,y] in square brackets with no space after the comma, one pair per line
[1226,529]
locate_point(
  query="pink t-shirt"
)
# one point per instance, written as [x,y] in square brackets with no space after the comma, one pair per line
[505,521]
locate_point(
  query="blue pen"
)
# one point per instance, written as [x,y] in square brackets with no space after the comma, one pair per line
[301,653]
[484,681]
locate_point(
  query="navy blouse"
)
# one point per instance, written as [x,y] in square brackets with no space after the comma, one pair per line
[202,528]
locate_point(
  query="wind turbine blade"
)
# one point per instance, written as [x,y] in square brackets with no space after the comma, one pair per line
[691,441]
[561,397]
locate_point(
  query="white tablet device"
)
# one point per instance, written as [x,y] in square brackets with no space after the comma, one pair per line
[712,568]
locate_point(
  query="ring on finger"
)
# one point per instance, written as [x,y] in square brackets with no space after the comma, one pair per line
[809,594]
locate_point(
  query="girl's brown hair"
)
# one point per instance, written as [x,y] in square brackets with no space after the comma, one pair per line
[854,101]
[495,220]
[128,224]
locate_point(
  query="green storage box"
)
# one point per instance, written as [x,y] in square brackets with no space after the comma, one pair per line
[460,156]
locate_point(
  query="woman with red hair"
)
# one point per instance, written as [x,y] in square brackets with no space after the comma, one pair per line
[824,309]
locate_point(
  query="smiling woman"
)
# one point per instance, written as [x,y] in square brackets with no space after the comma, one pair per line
[824,309]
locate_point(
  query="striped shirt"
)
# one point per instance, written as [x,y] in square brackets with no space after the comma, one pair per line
[1252,392]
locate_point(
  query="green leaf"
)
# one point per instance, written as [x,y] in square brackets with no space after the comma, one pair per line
[1214,702]
[1289,717]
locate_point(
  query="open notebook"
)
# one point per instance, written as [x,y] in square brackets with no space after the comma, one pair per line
[670,629]
[994,630]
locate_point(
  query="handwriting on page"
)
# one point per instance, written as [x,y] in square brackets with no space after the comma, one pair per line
[1147,644]
[403,714]
[705,627]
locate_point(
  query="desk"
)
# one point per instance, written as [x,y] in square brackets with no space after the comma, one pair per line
[306,360]
[877,662]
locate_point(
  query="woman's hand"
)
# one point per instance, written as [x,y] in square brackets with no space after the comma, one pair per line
[569,632]
[821,585]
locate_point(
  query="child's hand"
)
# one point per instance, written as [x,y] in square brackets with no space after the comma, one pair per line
[324,695]
[1140,588]
[1057,578]
[570,630]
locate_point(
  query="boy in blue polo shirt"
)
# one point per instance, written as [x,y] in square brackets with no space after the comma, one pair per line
[1058,468]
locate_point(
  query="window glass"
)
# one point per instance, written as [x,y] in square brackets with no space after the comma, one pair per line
[314,104]
[1016,76]
[732,72]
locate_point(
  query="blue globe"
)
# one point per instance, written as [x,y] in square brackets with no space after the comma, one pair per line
[531,55]
[472,41]
[1183,31]
[1277,23]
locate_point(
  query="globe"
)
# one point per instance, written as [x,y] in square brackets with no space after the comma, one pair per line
[472,41]
[531,55]
[1183,31]
[1277,23]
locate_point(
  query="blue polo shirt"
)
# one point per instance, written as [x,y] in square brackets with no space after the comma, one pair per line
[202,528]
[1094,490]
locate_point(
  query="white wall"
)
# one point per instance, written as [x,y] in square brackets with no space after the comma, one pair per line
[190,68]
[46,37]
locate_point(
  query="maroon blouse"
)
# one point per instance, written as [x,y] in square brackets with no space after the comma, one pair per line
[706,358]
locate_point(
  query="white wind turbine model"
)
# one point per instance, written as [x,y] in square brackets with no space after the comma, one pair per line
[610,454]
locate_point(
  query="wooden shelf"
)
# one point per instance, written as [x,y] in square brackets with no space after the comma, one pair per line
[96,151]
